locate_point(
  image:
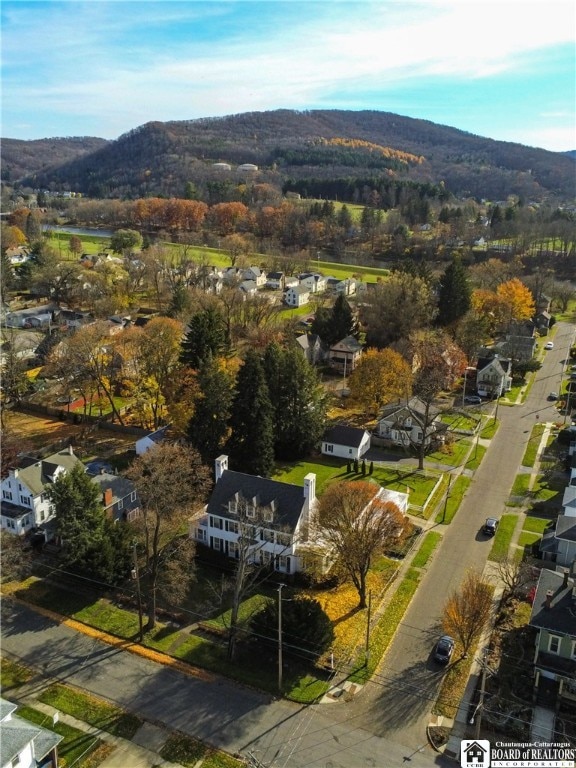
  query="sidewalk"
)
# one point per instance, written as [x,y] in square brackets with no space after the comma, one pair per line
[140,752]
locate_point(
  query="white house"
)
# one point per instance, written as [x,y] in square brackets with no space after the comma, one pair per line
[345,442]
[296,296]
[493,376]
[255,274]
[275,281]
[313,281]
[345,355]
[248,287]
[408,423]
[282,515]
[290,281]
[348,287]
[24,502]
[24,744]
[148,441]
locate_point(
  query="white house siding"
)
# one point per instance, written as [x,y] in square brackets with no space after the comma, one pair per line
[346,451]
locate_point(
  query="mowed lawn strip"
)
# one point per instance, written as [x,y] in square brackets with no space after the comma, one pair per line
[426,549]
[531,452]
[503,538]
[455,496]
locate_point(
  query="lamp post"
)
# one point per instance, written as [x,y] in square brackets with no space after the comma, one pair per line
[280,637]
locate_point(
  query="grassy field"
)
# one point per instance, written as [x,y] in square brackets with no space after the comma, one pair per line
[532,530]
[503,538]
[531,452]
[453,500]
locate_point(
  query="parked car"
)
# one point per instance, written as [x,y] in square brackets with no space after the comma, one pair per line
[490,526]
[553,396]
[444,649]
[549,345]
[473,400]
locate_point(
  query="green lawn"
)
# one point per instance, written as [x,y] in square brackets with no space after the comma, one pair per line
[531,452]
[419,485]
[476,457]
[89,709]
[460,421]
[456,494]
[452,454]
[185,751]
[503,538]
[76,746]
[13,675]
[489,429]
[521,483]
[429,544]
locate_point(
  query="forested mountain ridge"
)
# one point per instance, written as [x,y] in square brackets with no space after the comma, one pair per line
[25,158]
[296,150]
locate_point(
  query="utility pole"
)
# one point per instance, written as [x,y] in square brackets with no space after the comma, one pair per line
[480,706]
[280,637]
[136,577]
[446,497]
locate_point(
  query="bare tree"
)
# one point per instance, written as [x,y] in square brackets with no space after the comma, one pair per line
[171,481]
[16,557]
[359,525]
[467,610]
[253,559]
[514,576]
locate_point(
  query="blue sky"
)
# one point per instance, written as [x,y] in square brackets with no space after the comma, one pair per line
[498,68]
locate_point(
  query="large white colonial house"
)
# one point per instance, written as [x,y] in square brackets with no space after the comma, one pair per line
[278,520]
[25,504]
[281,513]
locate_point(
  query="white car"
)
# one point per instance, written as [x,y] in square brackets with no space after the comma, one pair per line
[549,345]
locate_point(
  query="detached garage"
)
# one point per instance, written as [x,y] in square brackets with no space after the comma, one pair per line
[345,442]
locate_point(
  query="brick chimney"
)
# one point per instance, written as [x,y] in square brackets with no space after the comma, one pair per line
[548,599]
[310,499]
[565,579]
[107,497]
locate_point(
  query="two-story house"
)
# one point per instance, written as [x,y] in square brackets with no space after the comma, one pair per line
[493,376]
[25,504]
[345,355]
[296,296]
[278,516]
[275,281]
[118,497]
[553,616]
[24,744]
[256,275]
[410,424]
[313,281]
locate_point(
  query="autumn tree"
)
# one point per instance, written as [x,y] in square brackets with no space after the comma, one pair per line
[251,444]
[171,482]
[359,525]
[75,245]
[517,300]
[125,240]
[467,610]
[396,307]
[380,377]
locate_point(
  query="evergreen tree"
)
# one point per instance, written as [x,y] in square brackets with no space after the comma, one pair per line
[454,295]
[208,426]
[79,521]
[298,402]
[251,444]
[206,337]
[180,302]
[335,324]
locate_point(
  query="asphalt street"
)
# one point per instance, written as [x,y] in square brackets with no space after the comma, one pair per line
[383,726]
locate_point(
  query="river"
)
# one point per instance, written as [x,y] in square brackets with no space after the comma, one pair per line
[80,231]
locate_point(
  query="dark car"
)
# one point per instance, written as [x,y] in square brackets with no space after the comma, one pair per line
[473,400]
[490,526]
[444,649]
[553,396]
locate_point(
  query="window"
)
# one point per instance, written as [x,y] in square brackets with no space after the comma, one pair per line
[266,535]
[554,644]
[120,503]
[25,501]
[134,514]
[133,496]
[268,515]
[574,651]
[350,451]
[7,495]
[233,550]
[200,534]
[231,526]
[284,563]
[283,539]
[217,544]
[232,507]
[15,761]
[250,511]
[217,522]
[329,448]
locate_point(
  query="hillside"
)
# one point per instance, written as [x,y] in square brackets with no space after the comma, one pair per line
[294,149]
[26,158]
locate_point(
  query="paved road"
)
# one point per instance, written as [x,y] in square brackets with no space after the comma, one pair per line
[396,703]
[384,726]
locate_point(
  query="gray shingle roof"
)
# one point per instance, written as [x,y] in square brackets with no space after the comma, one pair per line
[16,733]
[561,615]
[35,474]
[287,499]
[343,435]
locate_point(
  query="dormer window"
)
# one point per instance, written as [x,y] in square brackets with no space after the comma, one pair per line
[268,515]
[233,507]
[250,510]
